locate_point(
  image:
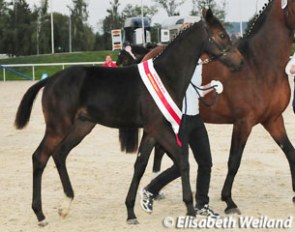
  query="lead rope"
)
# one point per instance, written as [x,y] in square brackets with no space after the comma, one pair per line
[197,89]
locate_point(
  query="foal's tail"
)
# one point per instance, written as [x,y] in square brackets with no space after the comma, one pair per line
[24,110]
[128,139]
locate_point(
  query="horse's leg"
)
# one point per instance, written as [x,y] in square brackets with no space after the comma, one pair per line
[158,155]
[40,159]
[240,134]
[277,130]
[180,158]
[78,131]
[145,148]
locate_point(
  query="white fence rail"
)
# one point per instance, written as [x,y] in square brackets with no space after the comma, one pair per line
[42,65]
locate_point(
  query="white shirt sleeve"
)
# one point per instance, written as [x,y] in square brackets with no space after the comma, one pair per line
[288,66]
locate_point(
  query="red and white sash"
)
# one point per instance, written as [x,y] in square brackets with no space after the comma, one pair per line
[160,95]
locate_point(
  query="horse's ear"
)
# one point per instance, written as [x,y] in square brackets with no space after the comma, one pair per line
[128,48]
[207,14]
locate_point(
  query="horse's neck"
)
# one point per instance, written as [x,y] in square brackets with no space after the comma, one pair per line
[273,42]
[177,63]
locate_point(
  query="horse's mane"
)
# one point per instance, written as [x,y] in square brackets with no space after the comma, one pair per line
[255,26]
[258,20]
[182,33]
[178,37]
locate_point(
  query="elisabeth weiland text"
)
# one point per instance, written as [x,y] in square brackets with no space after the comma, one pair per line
[243,222]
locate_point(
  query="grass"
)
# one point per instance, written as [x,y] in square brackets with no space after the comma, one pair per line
[53,58]
[50,58]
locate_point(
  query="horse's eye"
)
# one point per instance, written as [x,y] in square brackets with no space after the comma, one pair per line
[222,36]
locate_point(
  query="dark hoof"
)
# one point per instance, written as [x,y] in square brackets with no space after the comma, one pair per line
[132,221]
[233,211]
[294,200]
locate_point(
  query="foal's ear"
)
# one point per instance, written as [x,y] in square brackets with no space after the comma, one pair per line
[207,14]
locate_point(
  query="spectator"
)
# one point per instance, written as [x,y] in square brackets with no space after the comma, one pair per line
[109,62]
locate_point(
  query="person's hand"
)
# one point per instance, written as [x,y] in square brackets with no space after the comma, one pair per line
[292,69]
[217,85]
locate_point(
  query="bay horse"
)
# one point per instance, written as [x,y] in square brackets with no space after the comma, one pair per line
[76,99]
[258,94]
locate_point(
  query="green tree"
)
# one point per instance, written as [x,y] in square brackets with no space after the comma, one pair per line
[99,43]
[61,32]
[4,22]
[170,6]
[82,35]
[21,29]
[43,37]
[135,10]
[112,21]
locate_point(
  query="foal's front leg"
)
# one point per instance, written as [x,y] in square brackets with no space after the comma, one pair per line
[146,146]
[180,157]
[183,165]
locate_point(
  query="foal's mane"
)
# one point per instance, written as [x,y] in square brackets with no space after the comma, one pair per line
[178,37]
[182,33]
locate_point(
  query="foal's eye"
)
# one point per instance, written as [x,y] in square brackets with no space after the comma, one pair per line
[222,36]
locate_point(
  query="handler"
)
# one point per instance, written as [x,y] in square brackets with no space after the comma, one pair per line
[193,132]
[290,71]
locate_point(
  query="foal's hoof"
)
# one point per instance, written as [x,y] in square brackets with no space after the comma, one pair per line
[63,212]
[233,211]
[132,221]
[64,209]
[42,223]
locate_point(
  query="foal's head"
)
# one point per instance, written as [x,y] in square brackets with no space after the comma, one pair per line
[220,45]
[125,58]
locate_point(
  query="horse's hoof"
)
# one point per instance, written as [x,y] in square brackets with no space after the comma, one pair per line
[43,223]
[63,212]
[64,209]
[233,211]
[132,221]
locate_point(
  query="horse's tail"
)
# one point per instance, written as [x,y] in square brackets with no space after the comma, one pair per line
[128,139]
[24,110]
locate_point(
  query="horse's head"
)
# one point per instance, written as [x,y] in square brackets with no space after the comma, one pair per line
[125,58]
[219,45]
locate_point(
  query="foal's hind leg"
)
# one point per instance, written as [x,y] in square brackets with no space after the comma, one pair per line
[78,131]
[40,159]
[158,156]
[277,130]
[146,146]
